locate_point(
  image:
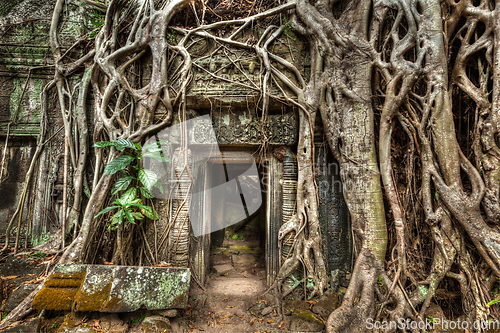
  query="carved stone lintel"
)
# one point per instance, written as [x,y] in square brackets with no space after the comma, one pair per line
[244,130]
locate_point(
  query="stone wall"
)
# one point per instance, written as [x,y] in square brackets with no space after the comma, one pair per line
[25,68]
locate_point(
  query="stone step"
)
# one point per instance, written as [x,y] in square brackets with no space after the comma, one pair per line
[243,287]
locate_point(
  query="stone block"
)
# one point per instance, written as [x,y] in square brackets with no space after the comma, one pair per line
[20,266]
[290,306]
[221,269]
[60,288]
[113,324]
[267,311]
[170,313]
[243,258]
[114,288]
[18,296]
[241,287]
[156,324]
[305,321]
[31,326]
[78,329]
[326,304]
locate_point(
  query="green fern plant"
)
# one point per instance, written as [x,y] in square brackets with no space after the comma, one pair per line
[134,181]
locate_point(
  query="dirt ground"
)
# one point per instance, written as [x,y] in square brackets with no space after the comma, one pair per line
[233,299]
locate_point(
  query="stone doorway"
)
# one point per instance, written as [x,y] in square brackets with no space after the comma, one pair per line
[237,252]
[245,248]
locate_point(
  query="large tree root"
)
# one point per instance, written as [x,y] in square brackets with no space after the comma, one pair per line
[358,305]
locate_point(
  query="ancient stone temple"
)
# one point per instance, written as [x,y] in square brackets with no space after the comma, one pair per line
[235,150]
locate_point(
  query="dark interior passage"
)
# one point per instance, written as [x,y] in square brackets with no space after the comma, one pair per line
[238,249]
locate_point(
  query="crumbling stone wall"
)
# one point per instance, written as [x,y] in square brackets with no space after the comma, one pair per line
[25,68]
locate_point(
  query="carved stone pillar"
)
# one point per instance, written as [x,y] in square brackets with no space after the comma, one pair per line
[274,200]
[333,216]
[289,185]
[200,246]
[179,236]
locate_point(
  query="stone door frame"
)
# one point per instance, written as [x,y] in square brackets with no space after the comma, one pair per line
[272,201]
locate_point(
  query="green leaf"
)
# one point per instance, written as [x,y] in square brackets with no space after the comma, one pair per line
[105,210]
[117,218]
[129,216]
[490,303]
[148,178]
[145,192]
[159,186]
[156,155]
[122,184]
[137,215]
[121,144]
[154,145]
[136,204]
[118,164]
[102,144]
[148,212]
[128,196]
[151,150]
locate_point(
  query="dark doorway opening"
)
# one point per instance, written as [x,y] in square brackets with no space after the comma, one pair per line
[238,249]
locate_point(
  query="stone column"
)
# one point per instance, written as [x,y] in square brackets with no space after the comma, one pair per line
[274,202]
[333,216]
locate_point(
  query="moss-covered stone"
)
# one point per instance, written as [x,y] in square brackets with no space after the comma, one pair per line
[326,304]
[114,288]
[305,321]
[59,291]
[290,306]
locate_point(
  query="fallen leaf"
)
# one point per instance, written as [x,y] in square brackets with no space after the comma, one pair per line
[5,278]
[269,321]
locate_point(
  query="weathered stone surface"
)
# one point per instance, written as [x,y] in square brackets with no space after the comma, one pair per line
[267,310]
[71,323]
[60,288]
[237,287]
[290,306]
[114,288]
[113,324]
[156,324]
[326,304]
[243,258]
[240,129]
[32,326]
[19,266]
[305,321]
[170,313]
[257,308]
[18,295]
[221,269]
[78,329]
